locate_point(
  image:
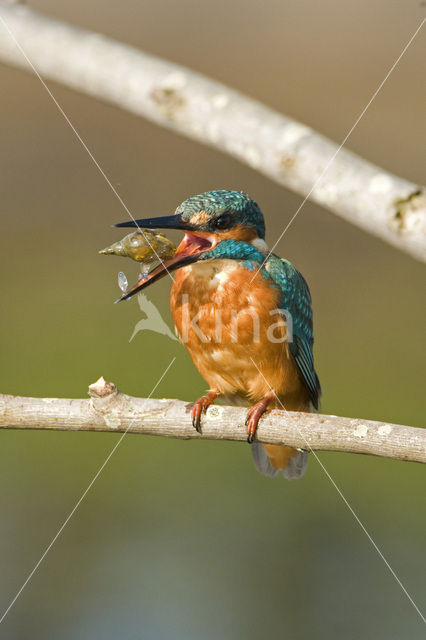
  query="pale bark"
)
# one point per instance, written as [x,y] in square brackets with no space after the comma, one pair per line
[112,411]
[175,97]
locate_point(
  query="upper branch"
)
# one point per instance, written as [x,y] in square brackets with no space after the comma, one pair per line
[110,410]
[175,97]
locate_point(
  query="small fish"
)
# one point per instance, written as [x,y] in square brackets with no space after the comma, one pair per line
[147,248]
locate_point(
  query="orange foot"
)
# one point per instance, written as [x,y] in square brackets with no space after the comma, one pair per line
[254,415]
[200,406]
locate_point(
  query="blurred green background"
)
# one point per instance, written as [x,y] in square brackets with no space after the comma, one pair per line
[179,539]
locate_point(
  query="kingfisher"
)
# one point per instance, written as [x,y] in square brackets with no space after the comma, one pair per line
[244,315]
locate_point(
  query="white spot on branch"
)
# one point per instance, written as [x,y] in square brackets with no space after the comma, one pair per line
[385,430]
[214,412]
[220,101]
[112,420]
[293,133]
[361,431]
[326,193]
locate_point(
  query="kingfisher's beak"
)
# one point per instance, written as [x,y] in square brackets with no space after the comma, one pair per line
[164,222]
[192,246]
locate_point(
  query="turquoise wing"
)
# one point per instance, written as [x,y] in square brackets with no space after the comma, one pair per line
[296,301]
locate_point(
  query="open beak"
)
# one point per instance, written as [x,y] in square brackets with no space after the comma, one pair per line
[190,249]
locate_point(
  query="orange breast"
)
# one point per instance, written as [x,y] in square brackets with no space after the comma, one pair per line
[231,327]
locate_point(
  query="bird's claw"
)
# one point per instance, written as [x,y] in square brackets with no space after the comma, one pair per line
[253,416]
[197,410]
[199,407]
[251,423]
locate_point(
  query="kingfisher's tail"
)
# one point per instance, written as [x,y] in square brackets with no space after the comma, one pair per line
[271,459]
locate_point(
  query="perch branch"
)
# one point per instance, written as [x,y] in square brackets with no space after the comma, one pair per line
[175,97]
[112,411]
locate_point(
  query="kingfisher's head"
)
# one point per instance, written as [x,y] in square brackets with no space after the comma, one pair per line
[226,214]
[207,220]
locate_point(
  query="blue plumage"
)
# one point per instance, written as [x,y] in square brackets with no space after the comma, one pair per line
[295,299]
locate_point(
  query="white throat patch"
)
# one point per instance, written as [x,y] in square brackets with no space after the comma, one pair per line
[260,245]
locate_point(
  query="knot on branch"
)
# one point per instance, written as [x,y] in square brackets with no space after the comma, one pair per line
[106,402]
[102,388]
[168,101]
[410,213]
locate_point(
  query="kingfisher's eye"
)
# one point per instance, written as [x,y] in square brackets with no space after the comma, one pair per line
[223,221]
